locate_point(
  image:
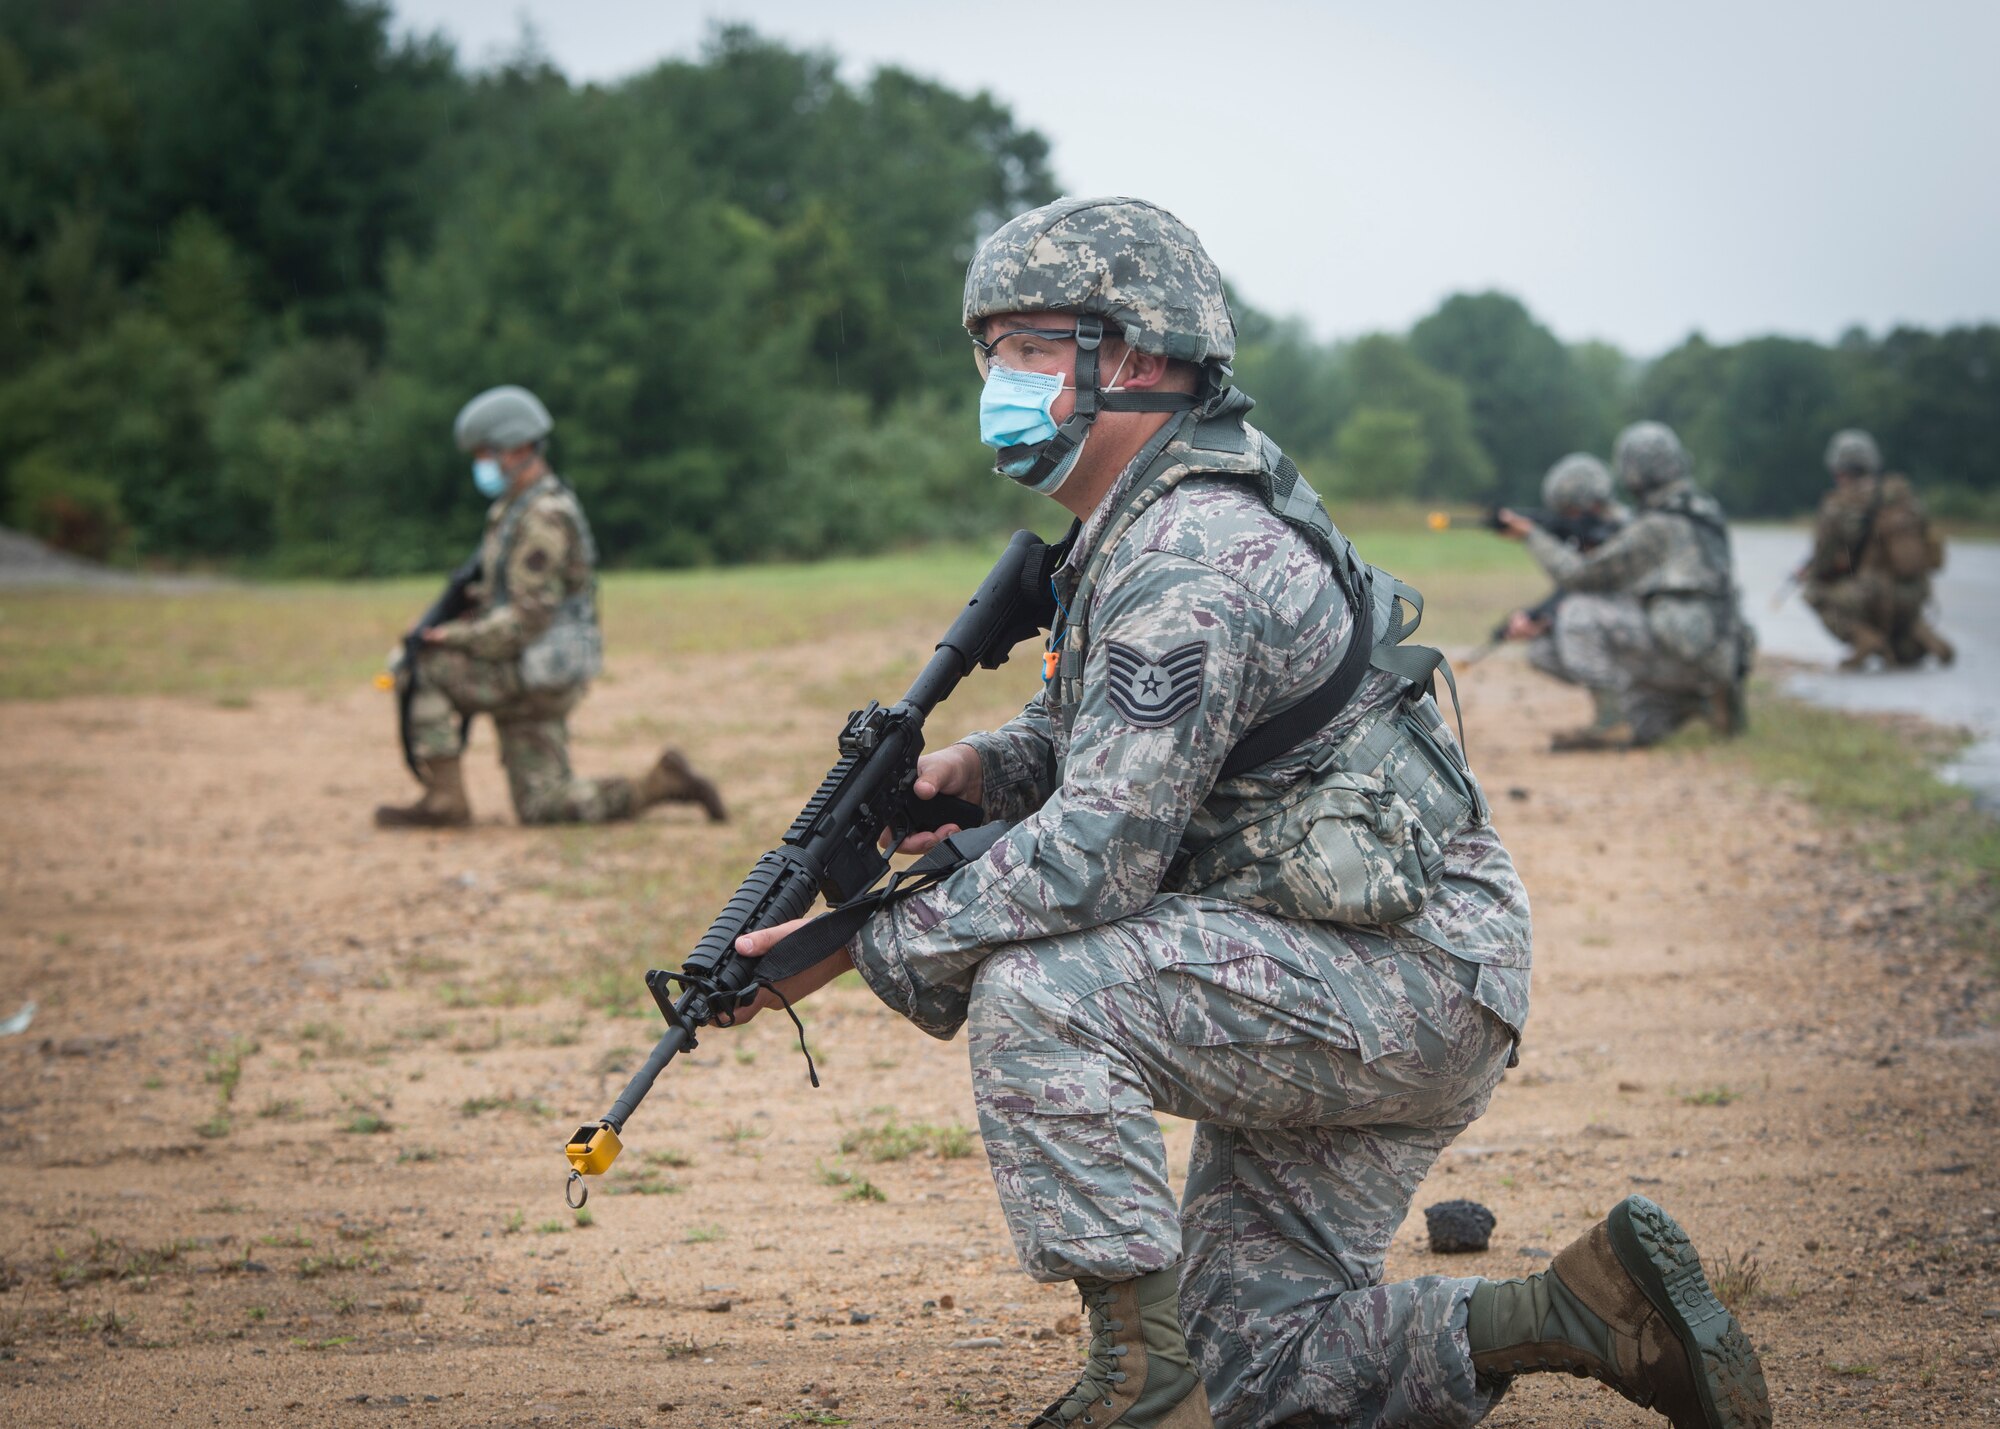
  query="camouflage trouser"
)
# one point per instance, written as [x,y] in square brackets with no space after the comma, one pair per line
[1891,609]
[1605,644]
[1326,1071]
[534,738]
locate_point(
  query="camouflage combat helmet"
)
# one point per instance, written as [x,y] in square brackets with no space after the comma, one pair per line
[1129,262]
[1116,262]
[1649,455]
[503,418]
[1853,452]
[1579,480]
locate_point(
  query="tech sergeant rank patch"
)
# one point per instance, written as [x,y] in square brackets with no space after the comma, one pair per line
[1149,692]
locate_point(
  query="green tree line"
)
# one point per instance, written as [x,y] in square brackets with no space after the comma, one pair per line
[253,257]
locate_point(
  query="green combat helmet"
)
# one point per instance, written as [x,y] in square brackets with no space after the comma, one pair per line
[1648,455]
[1577,482]
[1111,261]
[1853,453]
[502,418]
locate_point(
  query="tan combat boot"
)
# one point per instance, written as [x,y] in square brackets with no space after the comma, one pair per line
[673,780]
[1594,736]
[1608,728]
[1627,1304]
[1934,644]
[443,805]
[1866,641]
[1138,1374]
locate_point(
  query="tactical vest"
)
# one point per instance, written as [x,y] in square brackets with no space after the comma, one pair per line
[1359,837]
[1690,597]
[1897,538]
[571,651]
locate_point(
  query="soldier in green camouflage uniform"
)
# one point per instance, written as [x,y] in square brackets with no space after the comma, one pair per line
[1869,576]
[1321,957]
[1650,622]
[527,650]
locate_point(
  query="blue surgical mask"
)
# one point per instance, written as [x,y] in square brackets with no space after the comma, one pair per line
[487,476]
[1014,412]
[1014,409]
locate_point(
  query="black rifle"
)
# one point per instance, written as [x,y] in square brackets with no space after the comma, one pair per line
[833,846]
[453,601]
[1584,529]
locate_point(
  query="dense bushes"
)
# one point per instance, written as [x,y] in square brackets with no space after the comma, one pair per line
[253,257]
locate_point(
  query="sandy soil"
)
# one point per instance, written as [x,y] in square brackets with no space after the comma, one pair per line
[1731,1014]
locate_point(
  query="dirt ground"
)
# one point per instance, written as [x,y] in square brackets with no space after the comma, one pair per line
[282,1144]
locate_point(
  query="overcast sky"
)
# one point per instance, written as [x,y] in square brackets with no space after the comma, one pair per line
[1632,173]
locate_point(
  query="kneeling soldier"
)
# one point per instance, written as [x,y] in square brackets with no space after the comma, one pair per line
[1300,932]
[527,648]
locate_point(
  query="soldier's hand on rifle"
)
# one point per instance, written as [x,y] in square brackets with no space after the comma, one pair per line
[951,770]
[755,945]
[1523,626]
[1512,525]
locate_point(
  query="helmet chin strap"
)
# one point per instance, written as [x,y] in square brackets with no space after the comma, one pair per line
[1090,400]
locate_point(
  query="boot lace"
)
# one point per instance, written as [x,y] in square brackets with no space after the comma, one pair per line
[1101,1371]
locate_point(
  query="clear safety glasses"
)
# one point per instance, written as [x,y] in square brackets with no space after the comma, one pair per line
[1019,348]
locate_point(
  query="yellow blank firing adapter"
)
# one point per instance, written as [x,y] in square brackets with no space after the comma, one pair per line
[1439,520]
[592,1149]
[385,681]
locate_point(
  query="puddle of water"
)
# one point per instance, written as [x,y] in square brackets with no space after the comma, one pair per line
[1967,597]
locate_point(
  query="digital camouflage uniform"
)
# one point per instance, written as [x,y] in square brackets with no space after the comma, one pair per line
[1649,621]
[538,560]
[1326,1064]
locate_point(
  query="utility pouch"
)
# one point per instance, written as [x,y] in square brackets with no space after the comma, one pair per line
[1360,839]
[1908,547]
[569,653]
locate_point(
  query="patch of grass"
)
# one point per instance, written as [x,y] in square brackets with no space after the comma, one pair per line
[314,1267]
[362,1122]
[515,1221]
[215,1127]
[679,1160]
[585,1217]
[702,1235]
[479,1106]
[285,1108]
[256,1312]
[648,1184]
[297,1240]
[863,1190]
[895,1141]
[551,1228]
[332,1343]
[1736,1277]
[1710,1096]
[416,1153]
[225,642]
[1880,773]
[1857,1370]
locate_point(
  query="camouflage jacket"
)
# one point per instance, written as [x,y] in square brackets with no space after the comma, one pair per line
[536,558]
[1674,556]
[1210,614]
[1847,535]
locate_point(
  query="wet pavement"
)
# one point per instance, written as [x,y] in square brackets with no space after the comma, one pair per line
[1966,592]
